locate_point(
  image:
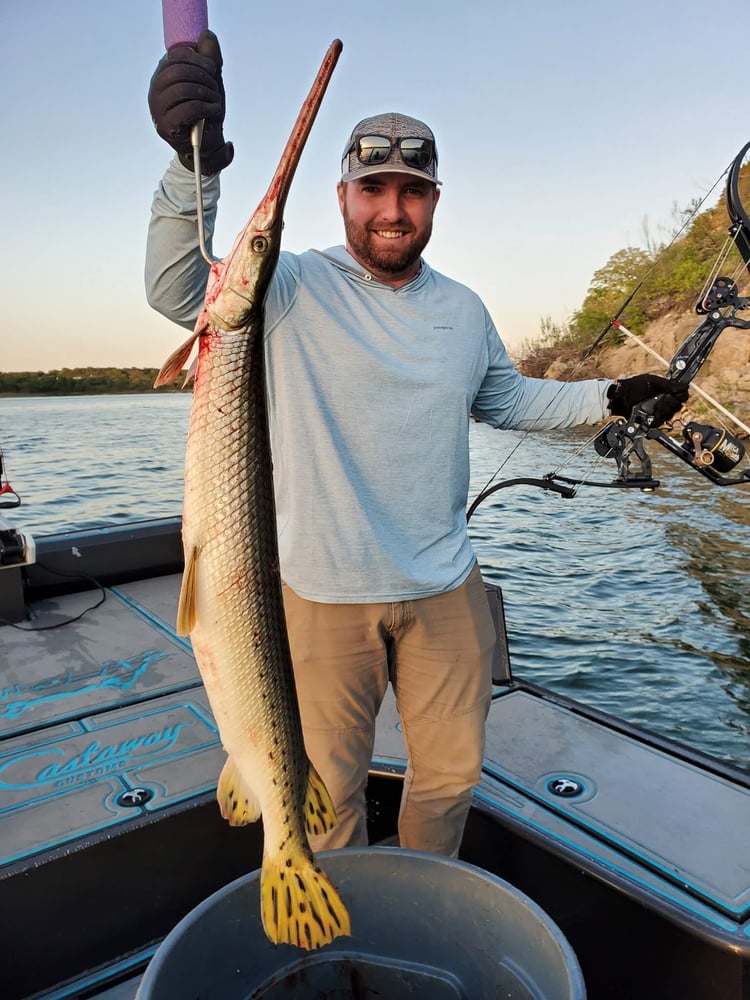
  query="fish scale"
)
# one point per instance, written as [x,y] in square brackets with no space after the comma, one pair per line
[231,601]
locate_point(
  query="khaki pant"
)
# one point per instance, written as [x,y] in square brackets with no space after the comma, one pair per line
[436,652]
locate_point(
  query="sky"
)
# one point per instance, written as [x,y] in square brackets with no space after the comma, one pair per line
[566,129]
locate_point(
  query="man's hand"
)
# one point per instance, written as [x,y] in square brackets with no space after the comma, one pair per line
[187,88]
[626,393]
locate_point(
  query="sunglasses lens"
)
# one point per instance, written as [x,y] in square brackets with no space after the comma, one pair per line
[417,152]
[373,149]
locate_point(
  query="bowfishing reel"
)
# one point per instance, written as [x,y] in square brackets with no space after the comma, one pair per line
[713,446]
[711,451]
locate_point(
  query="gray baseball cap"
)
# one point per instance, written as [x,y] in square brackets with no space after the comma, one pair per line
[399,151]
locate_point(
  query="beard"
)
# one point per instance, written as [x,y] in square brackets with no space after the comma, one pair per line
[374,253]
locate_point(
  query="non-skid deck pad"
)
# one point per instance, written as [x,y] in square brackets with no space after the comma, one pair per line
[76,779]
[155,598]
[123,652]
[665,812]
[101,718]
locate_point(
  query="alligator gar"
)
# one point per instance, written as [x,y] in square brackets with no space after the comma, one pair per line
[231,601]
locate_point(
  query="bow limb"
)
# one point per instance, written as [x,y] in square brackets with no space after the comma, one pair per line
[740,228]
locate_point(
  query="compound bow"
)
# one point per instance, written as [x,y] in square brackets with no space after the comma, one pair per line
[711,451]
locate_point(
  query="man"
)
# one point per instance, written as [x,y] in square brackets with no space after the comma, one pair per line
[375,364]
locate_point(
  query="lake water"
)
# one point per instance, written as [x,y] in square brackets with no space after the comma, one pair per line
[636,604]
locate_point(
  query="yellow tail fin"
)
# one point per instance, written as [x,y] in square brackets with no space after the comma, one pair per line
[299,904]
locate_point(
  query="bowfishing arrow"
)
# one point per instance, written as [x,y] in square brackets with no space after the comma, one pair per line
[184,22]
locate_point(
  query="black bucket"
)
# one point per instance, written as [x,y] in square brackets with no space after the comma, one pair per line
[422,926]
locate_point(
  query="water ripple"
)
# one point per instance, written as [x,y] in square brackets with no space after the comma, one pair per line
[636,604]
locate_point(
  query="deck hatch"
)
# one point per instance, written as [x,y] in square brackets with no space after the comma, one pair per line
[663,811]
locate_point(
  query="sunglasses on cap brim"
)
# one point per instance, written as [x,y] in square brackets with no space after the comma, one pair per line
[375,149]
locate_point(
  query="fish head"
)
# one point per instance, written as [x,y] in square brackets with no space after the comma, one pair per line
[238,285]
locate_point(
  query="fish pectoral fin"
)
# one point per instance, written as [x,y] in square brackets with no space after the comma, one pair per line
[191,372]
[238,803]
[176,362]
[187,613]
[299,904]
[320,812]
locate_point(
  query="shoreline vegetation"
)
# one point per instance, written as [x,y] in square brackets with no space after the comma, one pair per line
[82,382]
[668,277]
[666,280]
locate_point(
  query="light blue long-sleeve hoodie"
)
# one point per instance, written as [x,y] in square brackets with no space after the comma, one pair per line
[371,390]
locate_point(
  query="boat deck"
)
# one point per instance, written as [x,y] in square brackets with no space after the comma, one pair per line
[105,728]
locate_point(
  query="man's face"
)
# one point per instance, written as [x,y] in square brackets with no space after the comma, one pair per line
[388,223]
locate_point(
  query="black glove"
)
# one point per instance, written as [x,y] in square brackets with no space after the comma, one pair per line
[667,395]
[186,88]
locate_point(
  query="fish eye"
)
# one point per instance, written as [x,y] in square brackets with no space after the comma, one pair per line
[260,244]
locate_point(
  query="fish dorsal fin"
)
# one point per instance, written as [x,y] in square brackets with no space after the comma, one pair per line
[237,802]
[187,614]
[320,812]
